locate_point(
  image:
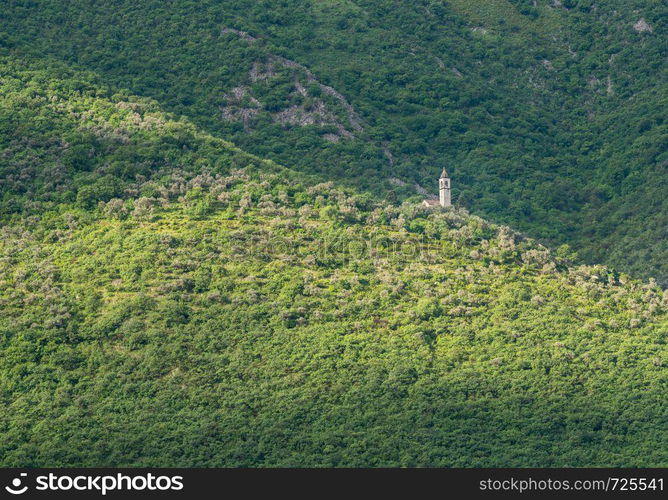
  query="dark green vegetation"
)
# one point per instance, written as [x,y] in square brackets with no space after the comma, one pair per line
[549,116]
[169,300]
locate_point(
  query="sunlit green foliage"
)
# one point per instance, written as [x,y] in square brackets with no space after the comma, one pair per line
[169,300]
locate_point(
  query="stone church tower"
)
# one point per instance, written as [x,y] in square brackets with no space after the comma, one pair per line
[444,196]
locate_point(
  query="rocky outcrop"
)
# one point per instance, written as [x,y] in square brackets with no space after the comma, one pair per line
[241,34]
[642,26]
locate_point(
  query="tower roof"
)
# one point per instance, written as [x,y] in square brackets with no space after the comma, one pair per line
[444,174]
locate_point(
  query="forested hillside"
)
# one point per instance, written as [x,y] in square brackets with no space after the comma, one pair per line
[170,300]
[549,114]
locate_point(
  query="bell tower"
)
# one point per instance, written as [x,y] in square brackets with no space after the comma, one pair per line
[444,196]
